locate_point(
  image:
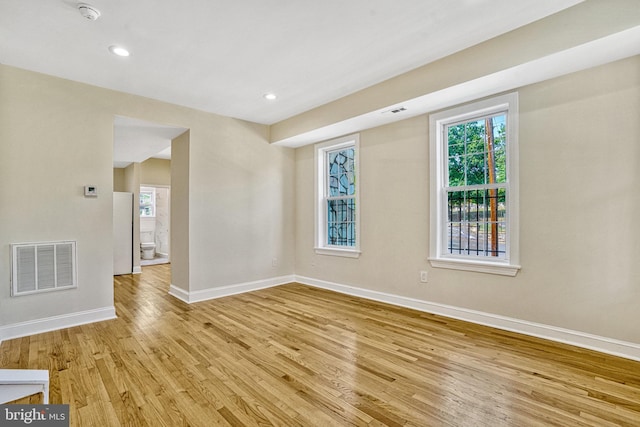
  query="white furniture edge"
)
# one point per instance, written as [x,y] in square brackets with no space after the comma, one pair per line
[18,383]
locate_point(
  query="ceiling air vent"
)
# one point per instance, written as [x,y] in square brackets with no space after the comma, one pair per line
[395,110]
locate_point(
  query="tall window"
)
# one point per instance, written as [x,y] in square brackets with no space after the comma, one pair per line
[147,202]
[474,187]
[337,204]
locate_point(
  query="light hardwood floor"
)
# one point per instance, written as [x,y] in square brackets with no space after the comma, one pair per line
[299,356]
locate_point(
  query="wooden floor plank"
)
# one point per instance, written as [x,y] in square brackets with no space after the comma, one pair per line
[293,355]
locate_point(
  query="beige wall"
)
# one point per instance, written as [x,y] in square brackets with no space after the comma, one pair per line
[155,172]
[579,177]
[179,228]
[118,179]
[47,155]
[240,207]
[57,136]
[152,172]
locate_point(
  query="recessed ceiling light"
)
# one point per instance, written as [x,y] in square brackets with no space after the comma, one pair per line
[118,50]
[270,96]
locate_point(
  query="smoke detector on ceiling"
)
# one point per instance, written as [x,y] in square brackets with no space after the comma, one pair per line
[88,11]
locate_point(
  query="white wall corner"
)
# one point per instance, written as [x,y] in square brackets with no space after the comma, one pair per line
[223,291]
[606,345]
[47,324]
[179,293]
[137,269]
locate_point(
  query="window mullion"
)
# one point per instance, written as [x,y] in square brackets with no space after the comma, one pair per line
[495,186]
[341,197]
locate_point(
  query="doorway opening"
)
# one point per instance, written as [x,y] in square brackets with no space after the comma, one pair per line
[142,166]
[155,224]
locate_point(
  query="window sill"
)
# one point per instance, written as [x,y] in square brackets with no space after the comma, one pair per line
[347,253]
[477,266]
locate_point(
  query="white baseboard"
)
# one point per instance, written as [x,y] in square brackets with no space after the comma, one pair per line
[23,329]
[212,293]
[136,269]
[179,293]
[606,345]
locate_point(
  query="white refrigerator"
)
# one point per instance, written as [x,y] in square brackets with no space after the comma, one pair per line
[122,233]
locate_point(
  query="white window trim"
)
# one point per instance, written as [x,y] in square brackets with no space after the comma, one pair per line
[152,191]
[320,245]
[438,255]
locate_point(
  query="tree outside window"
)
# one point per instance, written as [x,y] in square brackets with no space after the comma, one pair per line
[474,186]
[147,203]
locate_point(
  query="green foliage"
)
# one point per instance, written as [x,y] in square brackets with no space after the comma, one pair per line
[469,153]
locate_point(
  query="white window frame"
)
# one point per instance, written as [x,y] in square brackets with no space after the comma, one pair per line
[439,256]
[321,189]
[152,191]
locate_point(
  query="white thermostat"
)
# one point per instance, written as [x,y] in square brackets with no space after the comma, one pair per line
[90,191]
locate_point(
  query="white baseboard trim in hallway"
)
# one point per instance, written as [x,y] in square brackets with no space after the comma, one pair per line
[606,345]
[23,329]
[223,291]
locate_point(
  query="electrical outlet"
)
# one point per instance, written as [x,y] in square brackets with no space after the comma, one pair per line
[423,276]
[274,262]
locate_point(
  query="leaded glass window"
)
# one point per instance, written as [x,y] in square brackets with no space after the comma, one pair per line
[337,206]
[341,204]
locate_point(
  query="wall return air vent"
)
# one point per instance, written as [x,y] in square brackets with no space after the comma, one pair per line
[42,267]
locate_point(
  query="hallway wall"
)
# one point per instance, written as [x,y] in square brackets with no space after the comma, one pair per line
[61,135]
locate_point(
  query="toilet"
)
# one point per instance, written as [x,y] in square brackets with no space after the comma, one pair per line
[148,250]
[147,245]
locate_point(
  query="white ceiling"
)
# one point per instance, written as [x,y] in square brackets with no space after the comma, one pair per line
[222,56]
[137,140]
